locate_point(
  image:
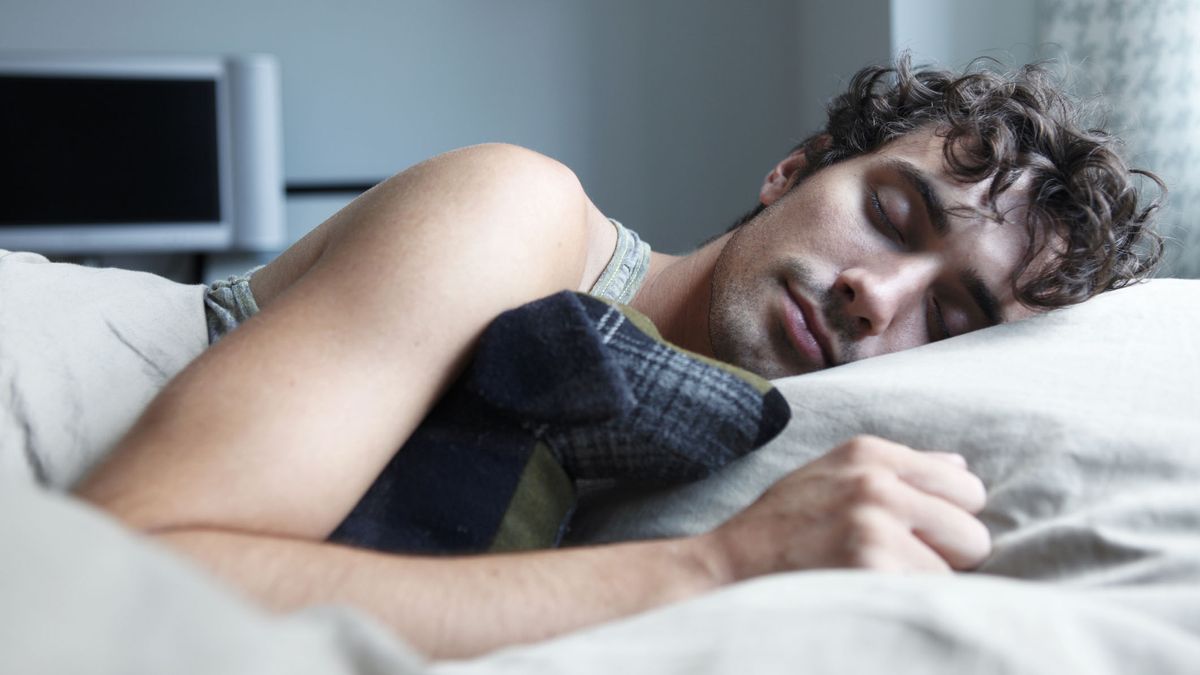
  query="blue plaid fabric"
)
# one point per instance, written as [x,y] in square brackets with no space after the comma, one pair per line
[565,389]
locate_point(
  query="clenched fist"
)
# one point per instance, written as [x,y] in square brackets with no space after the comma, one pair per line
[869,503]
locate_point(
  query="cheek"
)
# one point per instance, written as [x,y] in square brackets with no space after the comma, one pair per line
[841,235]
[823,223]
[805,222]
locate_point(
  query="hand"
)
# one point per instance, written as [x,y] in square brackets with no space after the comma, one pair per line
[869,503]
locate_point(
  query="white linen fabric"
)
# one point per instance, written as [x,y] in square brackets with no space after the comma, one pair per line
[81,594]
[1084,424]
[858,623]
[82,351]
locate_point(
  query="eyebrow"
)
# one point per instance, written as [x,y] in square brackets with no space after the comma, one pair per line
[976,288]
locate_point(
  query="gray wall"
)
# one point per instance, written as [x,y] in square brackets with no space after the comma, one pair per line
[670,111]
[952,32]
[836,38]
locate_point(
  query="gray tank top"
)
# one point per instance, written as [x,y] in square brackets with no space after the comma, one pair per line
[626,271]
[229,302]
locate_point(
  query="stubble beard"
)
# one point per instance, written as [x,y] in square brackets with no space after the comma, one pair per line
[739,306]
[736,310]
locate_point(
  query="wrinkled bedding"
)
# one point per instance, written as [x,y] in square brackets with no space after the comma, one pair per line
[1084,424]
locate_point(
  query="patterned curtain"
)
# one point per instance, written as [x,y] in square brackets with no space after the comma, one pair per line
[1143,56]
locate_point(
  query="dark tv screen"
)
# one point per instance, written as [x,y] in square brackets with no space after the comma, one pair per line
[85,150]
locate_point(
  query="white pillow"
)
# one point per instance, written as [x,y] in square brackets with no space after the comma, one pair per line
[82,351]
[1083,423]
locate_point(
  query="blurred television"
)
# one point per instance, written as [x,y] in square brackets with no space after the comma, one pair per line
[132,153]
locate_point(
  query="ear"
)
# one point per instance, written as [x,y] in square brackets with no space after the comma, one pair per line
[793,167]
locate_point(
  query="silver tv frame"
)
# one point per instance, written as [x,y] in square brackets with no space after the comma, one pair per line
[140,237]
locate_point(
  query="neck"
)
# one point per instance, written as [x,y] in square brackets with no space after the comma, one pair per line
[677,293]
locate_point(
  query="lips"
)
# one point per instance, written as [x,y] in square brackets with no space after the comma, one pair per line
[805,331]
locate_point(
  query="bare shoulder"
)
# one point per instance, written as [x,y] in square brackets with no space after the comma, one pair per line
[585,243]
[488,204]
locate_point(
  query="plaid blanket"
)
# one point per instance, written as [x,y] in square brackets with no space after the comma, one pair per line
[565,389]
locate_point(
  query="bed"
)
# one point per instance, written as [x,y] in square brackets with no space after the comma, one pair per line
[1083,423]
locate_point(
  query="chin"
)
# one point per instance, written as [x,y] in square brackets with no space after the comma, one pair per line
[765,367]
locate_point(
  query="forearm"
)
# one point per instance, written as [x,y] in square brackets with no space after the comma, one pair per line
[457,607]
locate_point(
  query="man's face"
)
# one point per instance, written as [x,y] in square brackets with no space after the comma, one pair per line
[863,258]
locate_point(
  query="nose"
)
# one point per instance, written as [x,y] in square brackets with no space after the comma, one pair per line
[879,291]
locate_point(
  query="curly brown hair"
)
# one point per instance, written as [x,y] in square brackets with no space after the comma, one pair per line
[1003,126]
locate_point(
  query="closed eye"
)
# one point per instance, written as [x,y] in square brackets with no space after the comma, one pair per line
[939,329]
[943,331]
[883,217]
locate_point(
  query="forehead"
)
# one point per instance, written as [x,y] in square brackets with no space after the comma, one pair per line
[924,149]
[993,247]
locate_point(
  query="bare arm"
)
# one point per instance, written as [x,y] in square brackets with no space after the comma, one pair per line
[252,455]
[282,426]
[458,607]
[868,504]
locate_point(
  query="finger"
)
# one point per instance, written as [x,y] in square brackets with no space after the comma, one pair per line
[866,449]
[926,471]
[914,555]
[951,457]
[935,475]
[955,535]
[892,548]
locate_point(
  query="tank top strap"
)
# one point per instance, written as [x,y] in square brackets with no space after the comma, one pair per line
[626,271]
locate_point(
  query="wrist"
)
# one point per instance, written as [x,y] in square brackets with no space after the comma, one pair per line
[713,560]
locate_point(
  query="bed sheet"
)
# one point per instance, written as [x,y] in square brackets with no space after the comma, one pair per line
[1084,424]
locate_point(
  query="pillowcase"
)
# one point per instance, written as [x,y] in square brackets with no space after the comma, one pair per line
[83,351]
[1084,424]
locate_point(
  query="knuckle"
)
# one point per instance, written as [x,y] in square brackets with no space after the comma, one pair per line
[862,449]
[866,526]
[872,487]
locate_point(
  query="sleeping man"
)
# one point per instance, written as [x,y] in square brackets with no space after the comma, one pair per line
[932,204]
